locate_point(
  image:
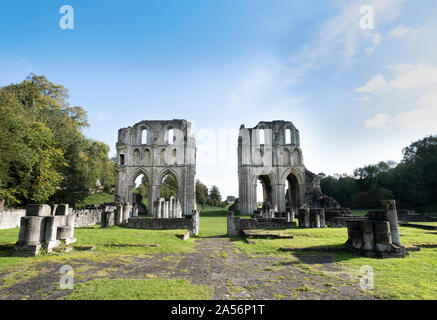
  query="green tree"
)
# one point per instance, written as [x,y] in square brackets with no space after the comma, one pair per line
[38,100]
[214,197]
[30,162]
[169,187]
[201,193]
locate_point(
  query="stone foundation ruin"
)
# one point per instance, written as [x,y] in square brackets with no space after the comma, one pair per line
[44,228]
[311,218]
[189,222]
[236,225]
[378,234]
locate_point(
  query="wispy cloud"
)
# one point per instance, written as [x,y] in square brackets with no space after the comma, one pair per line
[401,31]
[340,39]
[423,79]
[378,121]
[377,84]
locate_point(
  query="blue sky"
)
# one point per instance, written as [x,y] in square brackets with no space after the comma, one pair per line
[357,96]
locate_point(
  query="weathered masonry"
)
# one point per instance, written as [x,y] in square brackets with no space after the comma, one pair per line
[44,227]
[377,235]
[157,149]
[271,153]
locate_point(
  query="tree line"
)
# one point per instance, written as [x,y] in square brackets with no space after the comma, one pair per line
[210,197]
[44,155]
[412,182]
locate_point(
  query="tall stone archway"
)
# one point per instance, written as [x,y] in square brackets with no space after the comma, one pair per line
[147,148]
[272,149]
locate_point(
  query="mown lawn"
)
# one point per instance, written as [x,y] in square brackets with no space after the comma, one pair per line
[413,277]
[140,289]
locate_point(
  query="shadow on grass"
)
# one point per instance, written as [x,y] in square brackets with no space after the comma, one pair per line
[325,254]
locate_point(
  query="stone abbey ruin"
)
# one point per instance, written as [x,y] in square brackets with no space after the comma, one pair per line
[269,154]
[156,149]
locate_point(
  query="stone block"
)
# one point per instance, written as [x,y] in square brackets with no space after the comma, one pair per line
[38,210]
[62,210]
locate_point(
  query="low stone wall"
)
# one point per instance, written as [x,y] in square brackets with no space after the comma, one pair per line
[11,218]
[341,222]
[87,217]
[336,217]
[190,222]
[236,225]
[412,216]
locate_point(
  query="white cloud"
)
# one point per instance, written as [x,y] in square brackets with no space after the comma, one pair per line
[341,39]
[364,98]
[424,118]
[378,121]
[377,84]
[418,119]
[414,76]
[407,77]
[401,31]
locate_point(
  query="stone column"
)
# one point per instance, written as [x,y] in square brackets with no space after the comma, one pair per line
[154,195]
[127,208]
[304,218]
[171,211]
[119,214]
[162,207]
[392,216]
[178,209]
[165,209]
[156,208]
[322,218]
[233,224]
[292,215]
[280,198]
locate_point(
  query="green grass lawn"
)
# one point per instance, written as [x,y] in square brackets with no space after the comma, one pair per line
[96,198]
[434,224]
[413,277]
[140,289]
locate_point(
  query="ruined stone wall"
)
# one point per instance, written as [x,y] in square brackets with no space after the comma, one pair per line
[278,161]
[236,225]
[155,157]
[412,216]
[87,217]
[11,218]
[190,222]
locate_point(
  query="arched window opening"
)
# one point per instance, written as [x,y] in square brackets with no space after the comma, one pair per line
[287,157]
[162,156]
[170,136]
[262,139]
[263,191]
[287,136]
[292,194]
[141,194]
[137,157]
[147,158]
[144,136]
[169,186]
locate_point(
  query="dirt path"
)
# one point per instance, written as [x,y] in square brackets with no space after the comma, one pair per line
[215,262]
